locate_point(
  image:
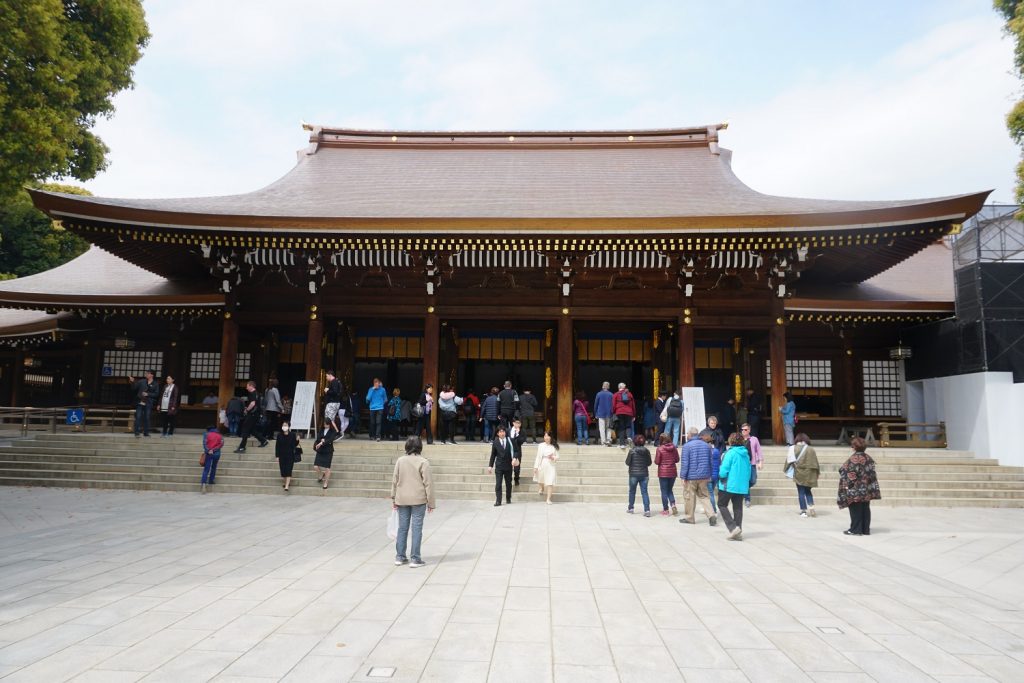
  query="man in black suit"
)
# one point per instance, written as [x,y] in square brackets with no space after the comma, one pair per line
[502,462]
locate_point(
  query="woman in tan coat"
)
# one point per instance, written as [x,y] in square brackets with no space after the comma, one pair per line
[804,462]
[412,494]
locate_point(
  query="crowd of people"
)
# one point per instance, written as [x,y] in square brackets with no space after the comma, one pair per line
[717,464]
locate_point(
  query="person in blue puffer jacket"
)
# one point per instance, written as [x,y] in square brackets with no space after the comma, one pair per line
[733,485]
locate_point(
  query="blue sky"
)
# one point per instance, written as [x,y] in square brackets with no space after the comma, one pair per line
[863,100]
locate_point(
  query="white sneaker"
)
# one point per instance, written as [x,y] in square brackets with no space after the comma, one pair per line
[803,513]
[415,564]
[399,563]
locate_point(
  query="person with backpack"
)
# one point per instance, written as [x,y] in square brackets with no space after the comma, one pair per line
[673,414]
[212,443]
[448,403]
[393,414]
[508,404]
[489,415]
[421,413]
[624,409]
[250,417]
[470,409]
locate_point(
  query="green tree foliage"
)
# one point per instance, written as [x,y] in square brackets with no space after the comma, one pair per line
[29,241]
[1013,13]
[61,62]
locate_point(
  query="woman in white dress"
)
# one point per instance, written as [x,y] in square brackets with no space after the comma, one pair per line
[544,471]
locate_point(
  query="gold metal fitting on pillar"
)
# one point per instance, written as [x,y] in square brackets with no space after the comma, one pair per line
[430,309]
[565,311]
[780,321]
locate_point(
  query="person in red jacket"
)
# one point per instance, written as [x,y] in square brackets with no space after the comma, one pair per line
[666,458]
[624,410]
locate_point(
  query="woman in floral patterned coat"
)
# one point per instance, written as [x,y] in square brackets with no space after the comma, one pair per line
[858,486]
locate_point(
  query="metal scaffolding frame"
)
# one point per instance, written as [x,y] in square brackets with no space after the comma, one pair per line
[988,260]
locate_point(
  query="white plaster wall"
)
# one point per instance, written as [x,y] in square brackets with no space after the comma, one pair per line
[981,412]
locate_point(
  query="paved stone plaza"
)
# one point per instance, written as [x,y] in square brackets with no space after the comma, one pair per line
[123,586]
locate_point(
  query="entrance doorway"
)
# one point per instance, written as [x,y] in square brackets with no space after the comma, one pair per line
[714,373]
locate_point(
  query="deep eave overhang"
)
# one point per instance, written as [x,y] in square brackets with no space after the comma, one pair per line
[67,302]
[953,210]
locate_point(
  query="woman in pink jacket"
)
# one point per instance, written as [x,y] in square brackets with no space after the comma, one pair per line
[666,458]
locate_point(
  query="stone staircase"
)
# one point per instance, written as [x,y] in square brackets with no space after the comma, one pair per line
[923,477]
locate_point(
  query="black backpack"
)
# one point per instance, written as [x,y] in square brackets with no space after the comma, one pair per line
[675,407]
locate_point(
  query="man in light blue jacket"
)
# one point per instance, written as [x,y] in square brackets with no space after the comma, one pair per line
[376,398]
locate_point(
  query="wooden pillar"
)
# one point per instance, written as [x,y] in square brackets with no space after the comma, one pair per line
[684,351]
[345,353]
[431,351]
[848,384]
[777,355]
[228,352]
[18,376]
[563,373]
[314,347]
[90,373]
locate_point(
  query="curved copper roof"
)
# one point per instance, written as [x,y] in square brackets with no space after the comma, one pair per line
[99,279]
[674,180]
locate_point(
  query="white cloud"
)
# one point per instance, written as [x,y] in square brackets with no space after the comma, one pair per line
[927,120]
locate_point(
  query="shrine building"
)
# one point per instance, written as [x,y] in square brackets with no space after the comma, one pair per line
[555,259]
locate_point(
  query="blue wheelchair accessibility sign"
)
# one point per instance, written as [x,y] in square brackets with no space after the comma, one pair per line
[75,416]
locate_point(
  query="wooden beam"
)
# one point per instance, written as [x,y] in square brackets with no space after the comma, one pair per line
[684,355]
[228,352]
[777,355]
[563,373]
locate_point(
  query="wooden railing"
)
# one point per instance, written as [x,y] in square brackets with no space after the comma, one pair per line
[912,435]
[95,418]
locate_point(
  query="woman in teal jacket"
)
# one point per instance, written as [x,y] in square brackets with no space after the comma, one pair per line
[733,485]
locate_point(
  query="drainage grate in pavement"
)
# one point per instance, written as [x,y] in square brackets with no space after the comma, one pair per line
[830,629]
[381,672]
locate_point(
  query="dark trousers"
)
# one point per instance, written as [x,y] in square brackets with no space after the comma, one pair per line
[622,425]
[447,431]
[515,473]
[503,476]
[505,418]
[860,518]
[273,423]
[734,519]
[530,426]
[249,422]
[376,422]
[143,411]
[391,427]
[423,423]
[169,421]
[470,428]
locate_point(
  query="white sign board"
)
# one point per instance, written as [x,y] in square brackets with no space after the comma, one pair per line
[304,407]
[693,408]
